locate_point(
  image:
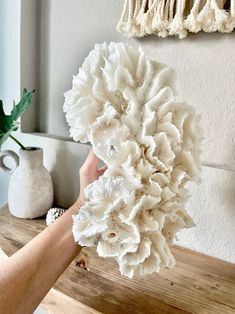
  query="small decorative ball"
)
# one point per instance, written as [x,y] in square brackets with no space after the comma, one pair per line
[53,214]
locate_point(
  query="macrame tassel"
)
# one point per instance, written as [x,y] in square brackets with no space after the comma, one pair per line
[176,27]
[158,16]
[191,23]
[160,19]
[150,15]
[141,18]
[212,18]
[221,16]
[163,30]
[121,26]
[127,23]
[145,17]
[171,10]
[171,13]
[206,18]
[230,23]
[136,28]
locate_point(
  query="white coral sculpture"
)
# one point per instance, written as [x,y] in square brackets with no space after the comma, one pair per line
[176,17]
[124,105]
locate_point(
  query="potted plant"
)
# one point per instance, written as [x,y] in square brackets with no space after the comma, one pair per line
[30,193]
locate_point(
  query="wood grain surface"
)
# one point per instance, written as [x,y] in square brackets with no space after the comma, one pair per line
[198,283]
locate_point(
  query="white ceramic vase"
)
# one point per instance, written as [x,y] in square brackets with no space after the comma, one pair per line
[30,193]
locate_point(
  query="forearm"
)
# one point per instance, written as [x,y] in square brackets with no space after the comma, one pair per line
[27,276]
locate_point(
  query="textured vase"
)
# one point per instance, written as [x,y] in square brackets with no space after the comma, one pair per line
[30,192]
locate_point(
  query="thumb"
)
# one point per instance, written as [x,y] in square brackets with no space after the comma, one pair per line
[92,161]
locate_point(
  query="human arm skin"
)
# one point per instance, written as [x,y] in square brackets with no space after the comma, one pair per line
[28,275]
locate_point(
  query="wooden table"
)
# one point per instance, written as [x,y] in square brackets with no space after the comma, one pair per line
[198,283]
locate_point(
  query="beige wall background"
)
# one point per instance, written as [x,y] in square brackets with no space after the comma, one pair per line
[205,66]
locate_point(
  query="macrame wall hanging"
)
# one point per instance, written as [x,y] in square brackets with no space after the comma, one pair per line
[176,17]
[124,105]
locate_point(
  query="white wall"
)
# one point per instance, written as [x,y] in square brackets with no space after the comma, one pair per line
[9,52]
[205,64]
[9,66]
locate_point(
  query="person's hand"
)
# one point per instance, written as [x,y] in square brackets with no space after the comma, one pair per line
[89,173]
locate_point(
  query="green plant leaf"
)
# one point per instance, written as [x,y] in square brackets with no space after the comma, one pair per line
[8,123]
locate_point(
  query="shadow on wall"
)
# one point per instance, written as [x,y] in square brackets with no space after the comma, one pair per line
[4,182]
[191,39]
[212,206]
[226,188]
[227,194]
[65,172]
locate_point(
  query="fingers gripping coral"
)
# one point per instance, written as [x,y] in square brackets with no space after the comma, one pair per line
[124,105]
